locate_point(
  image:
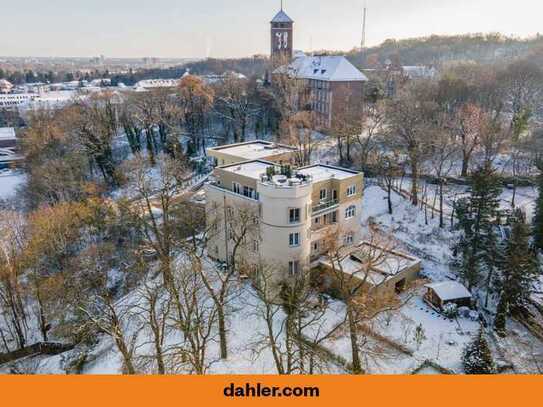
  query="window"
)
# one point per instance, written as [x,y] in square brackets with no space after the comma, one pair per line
[317,220]
[230,212]
[248,192]
[323,194]
[294,239]
[256,246]
[350,212]
[348,239]
[293,268]
[236,187]
[334,217]
[316,246]
[351,190]
[294,215]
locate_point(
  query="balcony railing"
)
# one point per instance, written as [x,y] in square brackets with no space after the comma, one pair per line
[324,206]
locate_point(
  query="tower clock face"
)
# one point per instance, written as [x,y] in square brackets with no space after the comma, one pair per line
[282,40]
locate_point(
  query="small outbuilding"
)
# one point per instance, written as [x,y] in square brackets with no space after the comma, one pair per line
[446,292]
[382,271]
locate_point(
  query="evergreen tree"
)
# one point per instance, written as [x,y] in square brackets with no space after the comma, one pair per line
[501,316]
[537,230]
[476,216]
[477,358]
[519,270]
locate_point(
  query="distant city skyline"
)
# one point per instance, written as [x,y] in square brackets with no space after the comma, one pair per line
[237,28]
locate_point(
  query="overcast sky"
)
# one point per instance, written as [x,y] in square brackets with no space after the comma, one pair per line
[234,28]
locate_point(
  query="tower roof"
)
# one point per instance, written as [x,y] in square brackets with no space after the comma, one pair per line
[282,17]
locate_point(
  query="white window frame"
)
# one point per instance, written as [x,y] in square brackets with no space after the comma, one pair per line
[236,188]
[293,268]
[323,198]
[348,239]
[294,239]
[350,212]
[297,219]
[351,191]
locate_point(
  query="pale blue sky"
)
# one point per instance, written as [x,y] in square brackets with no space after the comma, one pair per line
[223,28]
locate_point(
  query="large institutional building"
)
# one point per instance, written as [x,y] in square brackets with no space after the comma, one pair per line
[331,86]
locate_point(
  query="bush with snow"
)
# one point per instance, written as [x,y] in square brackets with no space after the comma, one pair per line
[450,310]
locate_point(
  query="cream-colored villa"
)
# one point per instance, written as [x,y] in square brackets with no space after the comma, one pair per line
[252,150]
[284,214]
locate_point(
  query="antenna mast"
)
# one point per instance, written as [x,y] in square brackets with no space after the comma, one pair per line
[363,43]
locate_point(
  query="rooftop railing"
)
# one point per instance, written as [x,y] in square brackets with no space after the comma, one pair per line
[324,206]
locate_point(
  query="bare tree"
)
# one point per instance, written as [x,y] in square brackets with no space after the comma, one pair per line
[443,154]
[408,123]
[12,295]
[153,208]
[354,287]
[299,131]
[373,120]
[193,315]
[235,106]
[154,312]
[196,100]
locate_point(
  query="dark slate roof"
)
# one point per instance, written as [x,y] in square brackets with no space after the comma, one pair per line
[282,17]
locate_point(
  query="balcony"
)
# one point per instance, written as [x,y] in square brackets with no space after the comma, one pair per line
[324,207]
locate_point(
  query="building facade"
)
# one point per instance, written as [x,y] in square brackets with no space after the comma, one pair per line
[288,216]
[328,86]
[282,41]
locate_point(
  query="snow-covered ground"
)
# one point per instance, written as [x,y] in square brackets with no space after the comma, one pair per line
[9,181]
[440,340]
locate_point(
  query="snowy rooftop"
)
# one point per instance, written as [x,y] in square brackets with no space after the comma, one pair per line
[386,263]
[251,169]
[254,150]
[324,68]
[320,172]
[449,290]
[282,17]
[7,133]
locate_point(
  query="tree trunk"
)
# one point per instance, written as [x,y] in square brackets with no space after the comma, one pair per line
[222,332]
[414,181]
[389,197]
[355,350]
[441,222]
[465,164]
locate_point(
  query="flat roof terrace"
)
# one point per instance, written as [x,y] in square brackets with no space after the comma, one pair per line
[253,150]
[321,172]
[250,169]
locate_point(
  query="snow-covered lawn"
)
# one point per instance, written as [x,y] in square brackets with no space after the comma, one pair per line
[9,181]
[442,340]
[407,225]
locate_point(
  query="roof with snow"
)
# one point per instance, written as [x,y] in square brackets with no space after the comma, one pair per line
[253,150]
[449,290]
[250,169]
[324,68]
[282,17]
[321,172]
[7,133]
[373,263]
